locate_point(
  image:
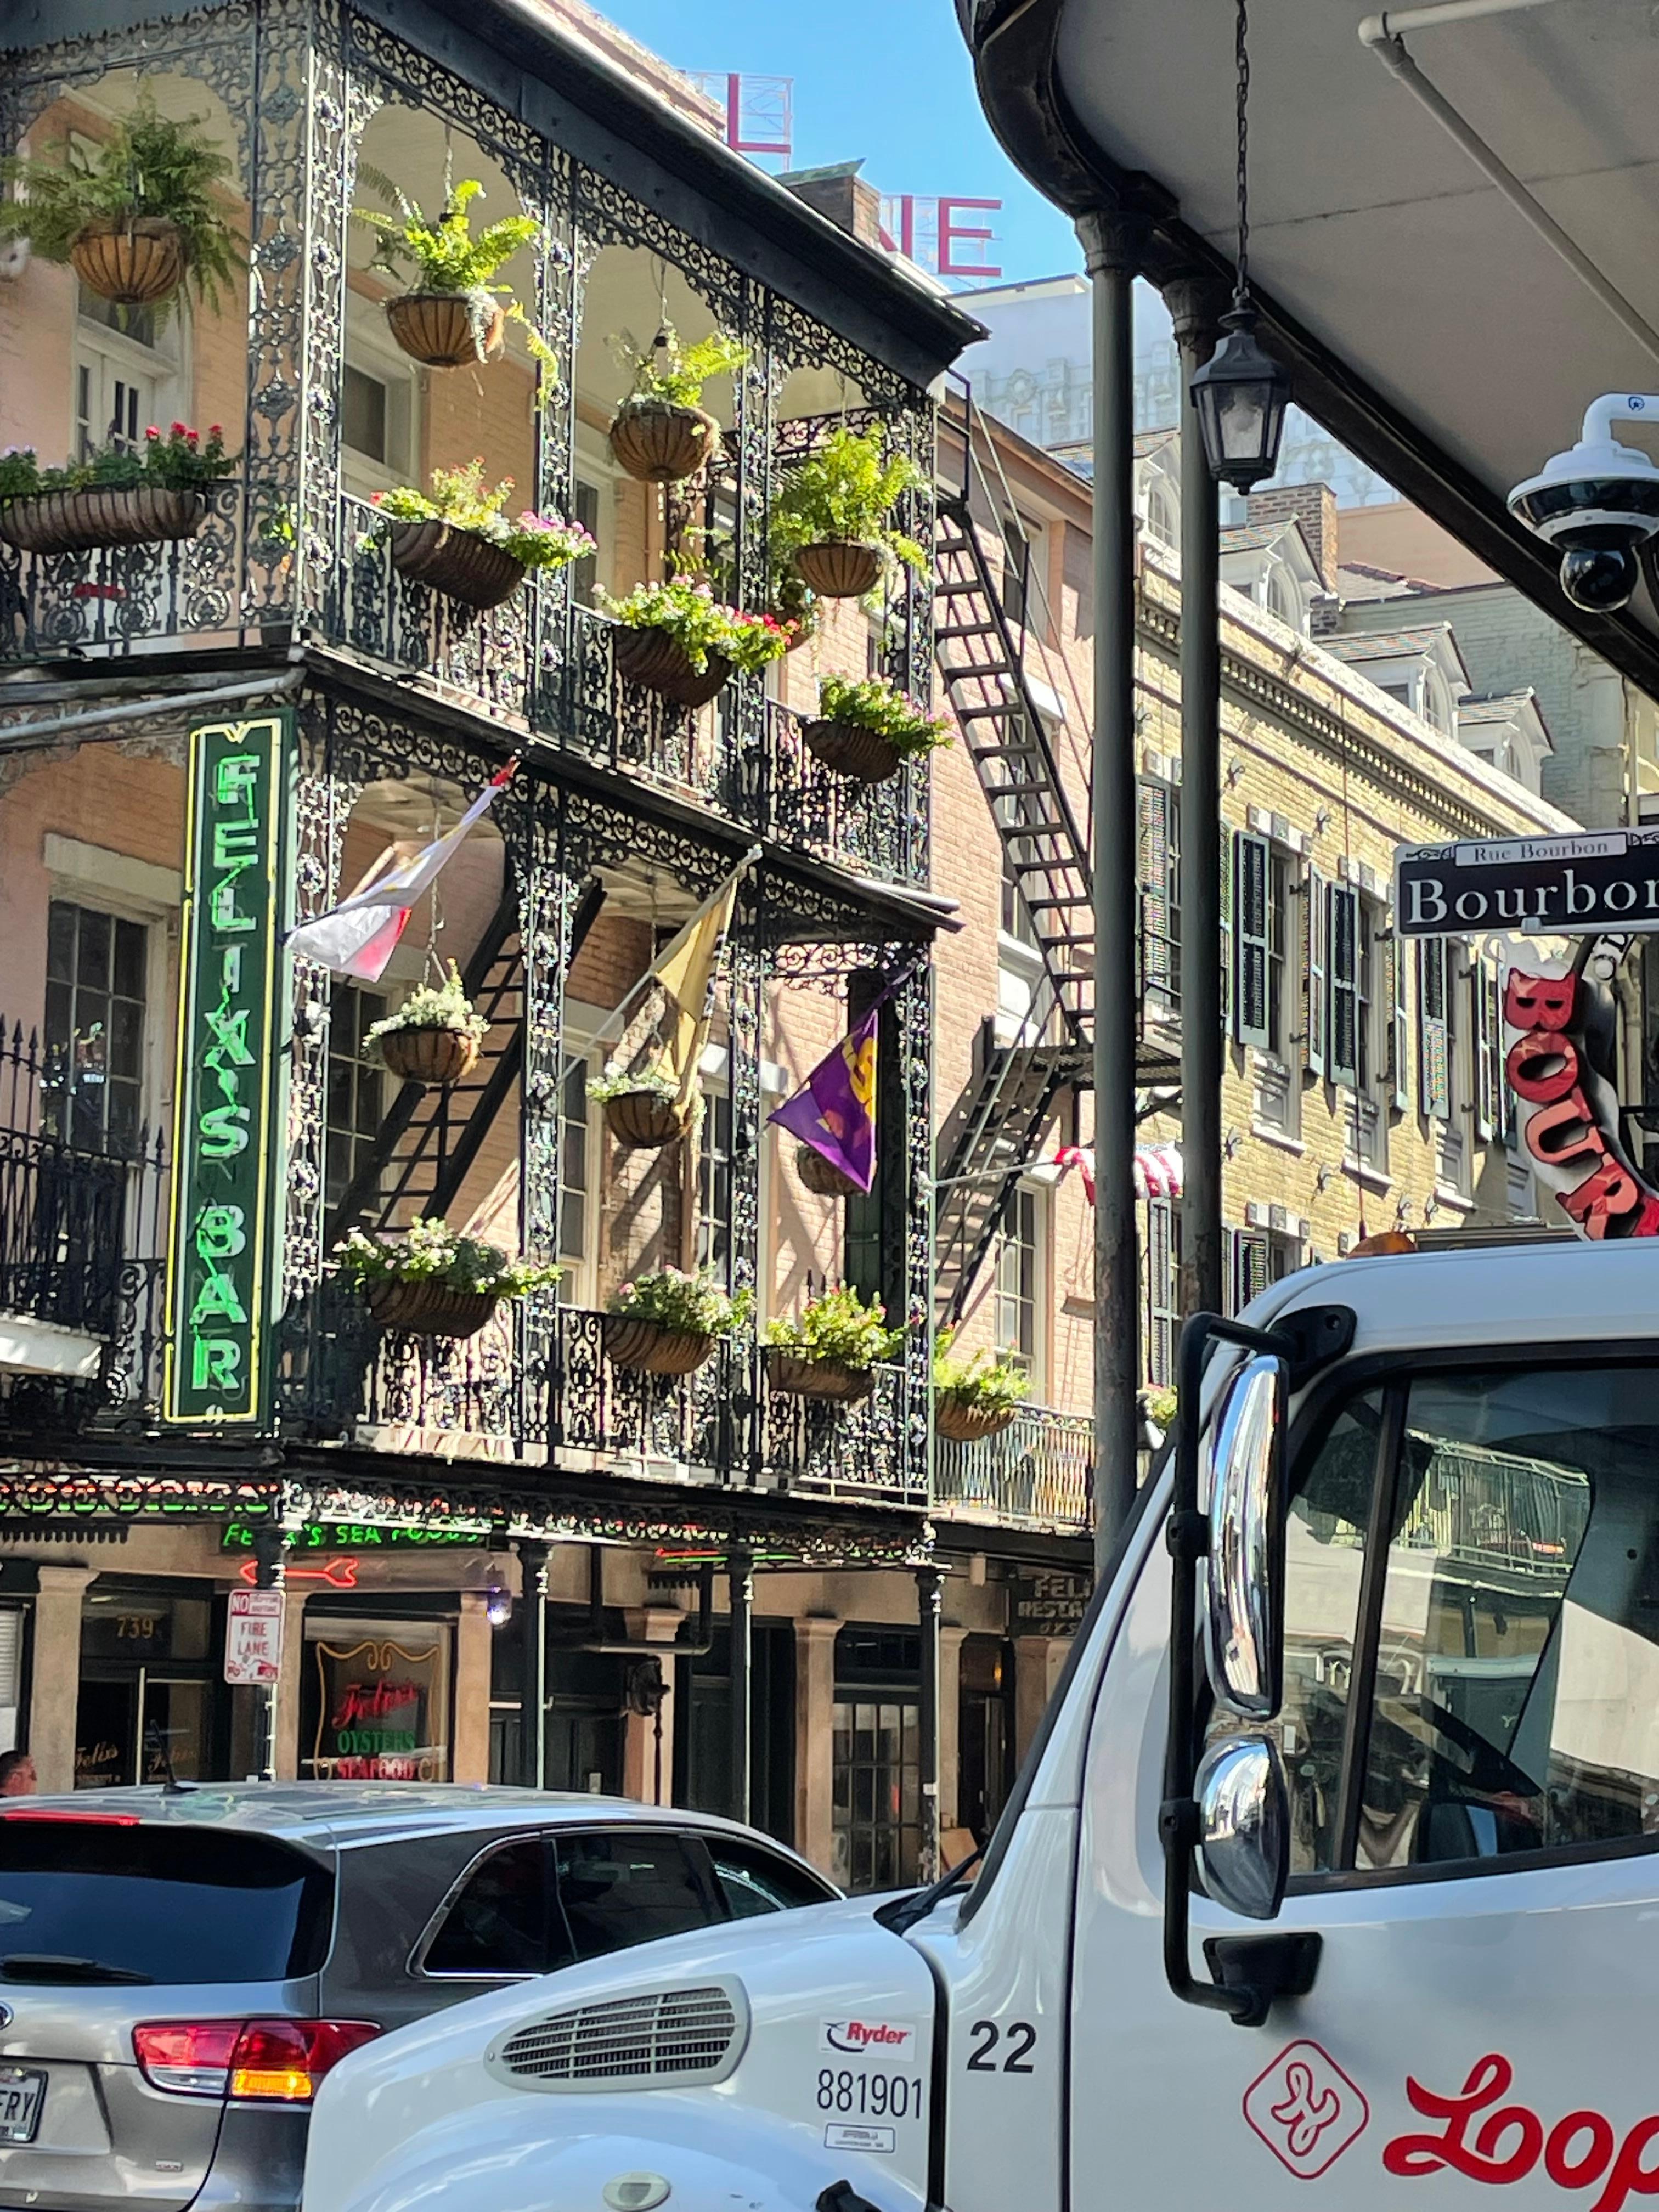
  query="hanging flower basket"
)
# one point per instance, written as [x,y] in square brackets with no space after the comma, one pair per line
[963,1423]
[651,1347]
[660,442]
[642,1121]
[422,1306]
[457,562]
[821,1176]
[840,568]
[437,1055]
[98,515]
[659,663]
[795,1377]
[862,756]
[436,328]
[134,260]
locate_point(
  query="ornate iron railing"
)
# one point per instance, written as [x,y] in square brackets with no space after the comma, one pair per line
[1037,1473]
[872,828]
[377,611]
[83,1230]
[585,704]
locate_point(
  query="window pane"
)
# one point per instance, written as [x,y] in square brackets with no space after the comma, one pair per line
[92,964]
[617,1890]
[1517,1689]
[130,959]
[60,941]
[498,1925]
[363,414]
[1325,1541]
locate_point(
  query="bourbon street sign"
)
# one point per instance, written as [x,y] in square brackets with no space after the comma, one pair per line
[224,1113]
[1532,886]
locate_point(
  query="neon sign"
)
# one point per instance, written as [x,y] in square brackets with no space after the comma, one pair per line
[224,1116]
[1568,1110]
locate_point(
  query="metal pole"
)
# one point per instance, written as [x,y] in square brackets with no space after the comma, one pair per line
[928,1588]
[1112,244]
[1196,304]
[740,1571]
[532,1632]
[270,1572]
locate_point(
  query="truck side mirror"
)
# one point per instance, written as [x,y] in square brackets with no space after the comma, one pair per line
[1244,1825]
[1244,1569]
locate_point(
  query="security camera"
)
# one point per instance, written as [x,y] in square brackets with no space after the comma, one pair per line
[1598,502]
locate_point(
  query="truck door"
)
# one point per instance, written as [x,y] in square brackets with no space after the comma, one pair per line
[1470,1732]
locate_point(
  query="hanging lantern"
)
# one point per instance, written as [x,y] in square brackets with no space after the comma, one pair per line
[1241,394]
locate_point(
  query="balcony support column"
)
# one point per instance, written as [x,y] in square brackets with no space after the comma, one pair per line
[1195,305]
[740,1574]
[737,1444]
[55,1676]
[532,1632]
[1115,244]
[928,1608]
[914,1021]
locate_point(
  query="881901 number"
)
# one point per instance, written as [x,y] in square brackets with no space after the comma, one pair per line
[874,2096]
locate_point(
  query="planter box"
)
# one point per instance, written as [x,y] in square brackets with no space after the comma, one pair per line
[427,1308]
[659,663]
[100,516]
[134,262]
[651,1347]
[436,328]
[786,1371]
[840,568]
[863,755]
[457,562]
[658,442]
[428,1055]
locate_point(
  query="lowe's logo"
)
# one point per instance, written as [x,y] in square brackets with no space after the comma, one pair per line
[892,2039]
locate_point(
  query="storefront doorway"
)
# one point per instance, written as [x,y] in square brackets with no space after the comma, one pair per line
[151,1703]
[585,1695]
[877,1792]
[985,1723]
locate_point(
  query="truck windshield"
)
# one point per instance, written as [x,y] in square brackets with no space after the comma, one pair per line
[158,1903]
[1510,1688]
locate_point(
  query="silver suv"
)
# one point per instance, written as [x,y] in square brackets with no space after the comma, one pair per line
[180,1967]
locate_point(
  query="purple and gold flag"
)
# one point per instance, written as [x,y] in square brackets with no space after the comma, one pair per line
[835,1109]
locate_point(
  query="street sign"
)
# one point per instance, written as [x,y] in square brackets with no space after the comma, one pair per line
[1048,1603]
[253,1638]
[1605,880]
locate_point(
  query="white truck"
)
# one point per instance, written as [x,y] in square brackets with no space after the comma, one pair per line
[1334,1877]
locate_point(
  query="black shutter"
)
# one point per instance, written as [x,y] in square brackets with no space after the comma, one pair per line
[1250,923]
[1434,1087]
[1153,868]
[1314,1008]
[1343,1035]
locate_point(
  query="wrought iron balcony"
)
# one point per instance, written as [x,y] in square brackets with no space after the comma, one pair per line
[83,1230]
[1039,1473]
[535,1387]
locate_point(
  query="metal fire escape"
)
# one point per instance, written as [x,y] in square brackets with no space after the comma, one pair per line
[1000,1123]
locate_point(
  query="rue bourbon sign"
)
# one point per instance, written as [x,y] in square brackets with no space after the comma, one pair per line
[225,1098]
[1550,886]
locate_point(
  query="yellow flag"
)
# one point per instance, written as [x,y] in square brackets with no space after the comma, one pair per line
[685,969]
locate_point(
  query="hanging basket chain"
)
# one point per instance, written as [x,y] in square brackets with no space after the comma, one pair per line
[1241,281]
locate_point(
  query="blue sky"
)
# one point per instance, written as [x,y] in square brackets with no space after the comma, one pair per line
[889,80]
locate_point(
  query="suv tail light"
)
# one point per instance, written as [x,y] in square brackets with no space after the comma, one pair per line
[271,2061]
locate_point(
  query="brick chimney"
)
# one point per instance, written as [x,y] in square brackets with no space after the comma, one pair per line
[1312,504]
[840,192]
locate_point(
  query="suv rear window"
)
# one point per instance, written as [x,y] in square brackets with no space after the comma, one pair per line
[174,1904]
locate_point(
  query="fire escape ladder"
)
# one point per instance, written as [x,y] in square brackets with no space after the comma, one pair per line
[431,1137]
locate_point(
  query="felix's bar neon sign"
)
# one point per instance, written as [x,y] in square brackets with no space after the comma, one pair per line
[218,1261]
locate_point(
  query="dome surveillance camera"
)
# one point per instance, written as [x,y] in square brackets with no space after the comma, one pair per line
[1598,503]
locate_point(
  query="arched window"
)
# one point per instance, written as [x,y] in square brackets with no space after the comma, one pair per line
[1284,599]
[1163,522]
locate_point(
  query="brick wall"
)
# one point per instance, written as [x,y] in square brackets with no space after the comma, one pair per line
[1312,504]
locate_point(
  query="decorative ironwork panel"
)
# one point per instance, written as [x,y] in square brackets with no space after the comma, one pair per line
[594,709]
[864,826]
[1038,1473]
[913,1008]
[800,341]
[106,600]
[860,1450]
[694,1420]
[606,214]
[379,612]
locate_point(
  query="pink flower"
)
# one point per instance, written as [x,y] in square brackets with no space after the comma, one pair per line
[152,432]
[216,429]
[375,497]
[179,431]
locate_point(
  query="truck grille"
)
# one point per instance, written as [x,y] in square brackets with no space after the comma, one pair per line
[685,2036]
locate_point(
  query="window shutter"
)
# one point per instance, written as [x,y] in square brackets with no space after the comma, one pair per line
[1393,977]
[1434,1087]
[1313,972]
[1486,1067]
[1227,928]
[1250,931]
[1152,866]
[1504,1100]
[1248,1272]
[1342,1034]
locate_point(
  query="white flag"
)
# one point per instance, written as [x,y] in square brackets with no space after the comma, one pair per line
[357,936]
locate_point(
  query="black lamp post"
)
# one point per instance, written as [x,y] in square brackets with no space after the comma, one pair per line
[1241,392]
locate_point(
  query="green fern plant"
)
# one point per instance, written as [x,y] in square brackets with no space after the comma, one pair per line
[150,166]
[674,373]
[846,489]
[447,256]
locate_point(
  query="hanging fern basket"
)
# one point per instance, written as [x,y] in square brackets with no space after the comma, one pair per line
[962,1423]
[437,329]
[651,1347]
[862,756]
[457,562]
[659,442]
[134,260]
[659,663]
[642,1121]
[435,1055]
[100,516]
[840,568]
[421,1307]
[795,1377]
[821,1176]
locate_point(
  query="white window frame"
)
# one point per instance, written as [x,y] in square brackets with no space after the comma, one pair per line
[1042,1240]
[131,889]
[369,348]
